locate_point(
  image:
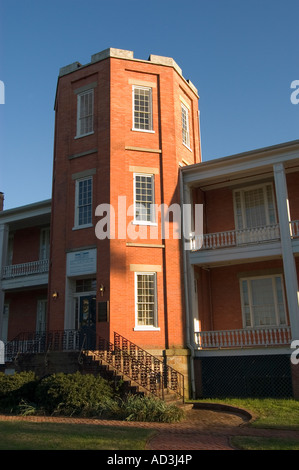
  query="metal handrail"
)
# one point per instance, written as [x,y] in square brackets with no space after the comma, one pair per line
[171,378]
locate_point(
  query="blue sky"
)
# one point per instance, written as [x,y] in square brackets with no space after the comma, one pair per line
[241,55]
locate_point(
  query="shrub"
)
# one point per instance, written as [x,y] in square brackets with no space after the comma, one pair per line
[73,394]
[16,387]
[151,409]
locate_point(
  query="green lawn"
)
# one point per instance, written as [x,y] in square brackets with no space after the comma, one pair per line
[22,435]
[269,412]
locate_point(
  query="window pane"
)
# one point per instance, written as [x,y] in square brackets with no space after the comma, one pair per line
[85,202]
[146,303]
[142,108]
[263,303]
[246,303]
[144,198]
[85,113]
[280,300]
[185,126]
[255,212]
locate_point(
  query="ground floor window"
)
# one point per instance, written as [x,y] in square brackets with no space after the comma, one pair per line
[5,323]
[41,315]
[146,300]
[263,302]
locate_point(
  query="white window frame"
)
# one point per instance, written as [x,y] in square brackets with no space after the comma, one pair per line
[153,212]
[77,208]
[44,247]
[79,117]
[134,128]
[274,291]
[243,208]
[153,327]
[186,134]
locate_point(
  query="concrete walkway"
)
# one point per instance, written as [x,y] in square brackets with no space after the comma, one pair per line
[201,429]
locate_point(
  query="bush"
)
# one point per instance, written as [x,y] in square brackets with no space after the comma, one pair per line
[151,409]
[16,387]
[73,394]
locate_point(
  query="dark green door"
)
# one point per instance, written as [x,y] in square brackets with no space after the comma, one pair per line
[88,320]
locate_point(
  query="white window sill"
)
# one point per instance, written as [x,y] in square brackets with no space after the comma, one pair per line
[187,147]
[141,222]
[146,328]
[83,135]
[80,227]
[143,130]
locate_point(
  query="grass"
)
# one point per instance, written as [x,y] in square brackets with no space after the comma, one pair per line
[270,414]
[23,435]
[264,443]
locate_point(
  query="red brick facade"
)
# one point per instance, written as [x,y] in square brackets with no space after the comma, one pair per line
[114,152]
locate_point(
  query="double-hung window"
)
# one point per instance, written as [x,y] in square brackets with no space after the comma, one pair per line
[144,199]
[254,207]
[263,301]
[146,300]
[142,108]
[255,214]
[85,113]
[83,212]
[185,126]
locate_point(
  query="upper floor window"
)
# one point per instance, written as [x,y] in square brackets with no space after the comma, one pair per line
[254,207]
[83,213]
[85,113]
[142,108]
[263,301]
[144,198]
[185,126]
[44,249]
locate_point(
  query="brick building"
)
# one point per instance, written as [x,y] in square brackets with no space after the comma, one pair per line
[103,257]
[243,272]
[123,127]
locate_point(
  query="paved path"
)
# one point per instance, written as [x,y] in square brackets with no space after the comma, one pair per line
[200,430]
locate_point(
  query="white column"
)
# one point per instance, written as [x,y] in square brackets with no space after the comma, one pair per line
[4,230]
[289,266]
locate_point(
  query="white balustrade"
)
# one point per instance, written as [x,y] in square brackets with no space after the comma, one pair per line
[243,337]
[25,269]
[211,241]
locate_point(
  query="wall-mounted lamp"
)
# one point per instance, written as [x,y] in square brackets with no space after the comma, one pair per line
[55,295]
[102,289]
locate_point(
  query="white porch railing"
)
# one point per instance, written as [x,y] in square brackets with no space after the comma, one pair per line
[211,241]
[243,338]
[25,269]
[295,228]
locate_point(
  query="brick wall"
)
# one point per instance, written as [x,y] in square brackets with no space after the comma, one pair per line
[118,149]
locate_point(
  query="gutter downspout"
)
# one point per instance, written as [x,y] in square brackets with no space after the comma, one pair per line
[185,273]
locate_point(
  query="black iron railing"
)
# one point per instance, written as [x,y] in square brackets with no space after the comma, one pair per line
[167,376]
[146,370]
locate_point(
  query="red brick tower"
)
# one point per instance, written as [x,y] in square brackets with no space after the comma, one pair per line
[123,128]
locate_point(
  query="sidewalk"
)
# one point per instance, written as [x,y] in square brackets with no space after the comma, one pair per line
[201,429]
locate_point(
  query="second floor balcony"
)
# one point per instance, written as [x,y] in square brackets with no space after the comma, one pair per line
[25,274]
[244,237]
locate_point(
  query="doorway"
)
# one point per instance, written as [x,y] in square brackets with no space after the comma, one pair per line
[87,320]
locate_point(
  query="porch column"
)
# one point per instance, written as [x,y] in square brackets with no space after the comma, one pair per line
[4,230]
[289,265]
